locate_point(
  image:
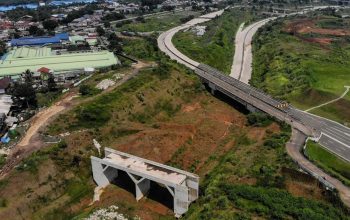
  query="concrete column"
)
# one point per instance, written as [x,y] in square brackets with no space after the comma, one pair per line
[142,188]
[180,201]
[212,88]
[142,185]
[193,185]
[102,174]
[251,108]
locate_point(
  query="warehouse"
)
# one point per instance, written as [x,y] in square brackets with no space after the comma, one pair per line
[18,60]
[37,41]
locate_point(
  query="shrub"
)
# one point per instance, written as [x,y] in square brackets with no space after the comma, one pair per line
[62,144]
[259,119]
[2,160]
[87,90]
[3,202]
[93,115]
[163,70]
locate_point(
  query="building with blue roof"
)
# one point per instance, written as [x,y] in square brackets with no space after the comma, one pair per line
[38,41]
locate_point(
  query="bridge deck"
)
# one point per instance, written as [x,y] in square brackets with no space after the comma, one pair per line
[146,168]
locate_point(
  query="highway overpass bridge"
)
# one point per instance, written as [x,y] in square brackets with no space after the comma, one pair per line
[331,135]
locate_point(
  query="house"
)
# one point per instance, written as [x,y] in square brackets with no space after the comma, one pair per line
[58,17]
[5,106]
[22,25]
[6,24]
[26,18]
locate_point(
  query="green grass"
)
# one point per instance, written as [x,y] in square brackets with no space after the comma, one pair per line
[141,48]
[158,23]
[2,160]
[337,111]
[303,73]
[47,98]
[216,46]
[328,161]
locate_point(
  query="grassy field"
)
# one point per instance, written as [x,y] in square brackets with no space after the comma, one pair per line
[157,23]
[216,46]
[141,48]
[329,162]
[306,69]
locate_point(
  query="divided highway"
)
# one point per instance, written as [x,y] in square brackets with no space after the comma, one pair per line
[331,135]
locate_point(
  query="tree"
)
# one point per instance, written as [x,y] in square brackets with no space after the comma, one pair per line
[114,16]
[40,32]
[24,92]
[107,24]
[100,31]
[27,76]
[51,84]
[33,30]
[50,25]
[2,48]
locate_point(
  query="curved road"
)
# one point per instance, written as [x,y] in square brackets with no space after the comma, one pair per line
[243,50]
[331,135]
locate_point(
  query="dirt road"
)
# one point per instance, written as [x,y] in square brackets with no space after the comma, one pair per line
[31,140]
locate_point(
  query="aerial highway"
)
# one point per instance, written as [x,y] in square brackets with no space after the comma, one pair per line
[331,135]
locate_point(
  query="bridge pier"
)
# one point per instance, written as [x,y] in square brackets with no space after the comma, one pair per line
[142,185]
[251,108]
[212,88]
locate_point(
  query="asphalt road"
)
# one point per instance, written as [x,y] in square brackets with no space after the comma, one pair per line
[294,148]
[331,135]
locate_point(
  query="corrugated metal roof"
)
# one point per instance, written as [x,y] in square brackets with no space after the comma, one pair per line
[29,41]
[21,59]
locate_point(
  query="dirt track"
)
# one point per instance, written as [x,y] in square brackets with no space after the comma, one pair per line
[43,117]
[31,141]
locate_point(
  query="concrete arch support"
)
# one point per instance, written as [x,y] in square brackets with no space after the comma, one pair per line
[142,185]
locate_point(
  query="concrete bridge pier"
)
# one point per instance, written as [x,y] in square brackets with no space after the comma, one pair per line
[142,185]
[251,108]
[212,88]
[103,174]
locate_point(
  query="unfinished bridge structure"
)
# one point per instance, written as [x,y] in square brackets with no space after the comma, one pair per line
[182,185]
